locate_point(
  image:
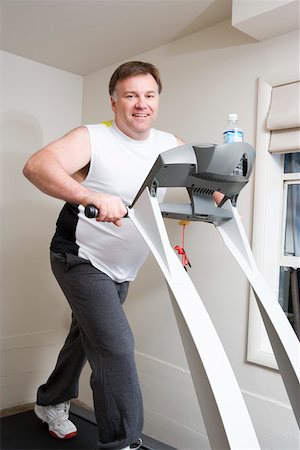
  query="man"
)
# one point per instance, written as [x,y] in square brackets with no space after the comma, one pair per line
[94,260]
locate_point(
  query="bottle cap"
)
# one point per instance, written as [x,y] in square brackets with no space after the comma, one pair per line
[232,117]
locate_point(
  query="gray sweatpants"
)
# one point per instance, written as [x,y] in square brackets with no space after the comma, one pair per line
[100,333]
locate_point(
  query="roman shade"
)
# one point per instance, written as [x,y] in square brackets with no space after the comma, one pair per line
[283,119]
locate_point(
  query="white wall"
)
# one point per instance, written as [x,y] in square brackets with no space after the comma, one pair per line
[205,76]
[38,104]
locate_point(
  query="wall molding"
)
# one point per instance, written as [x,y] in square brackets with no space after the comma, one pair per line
[172,415]
[36,339]
[26,361]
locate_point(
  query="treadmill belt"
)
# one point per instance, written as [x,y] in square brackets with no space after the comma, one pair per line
[25,431]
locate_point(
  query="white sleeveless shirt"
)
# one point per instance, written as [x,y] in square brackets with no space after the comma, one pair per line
[118,166]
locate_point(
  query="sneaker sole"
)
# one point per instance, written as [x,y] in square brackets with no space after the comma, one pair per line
[67,436]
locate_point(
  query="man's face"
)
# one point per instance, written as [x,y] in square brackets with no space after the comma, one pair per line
[135,104]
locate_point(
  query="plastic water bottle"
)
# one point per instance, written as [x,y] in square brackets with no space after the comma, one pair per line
[234,134]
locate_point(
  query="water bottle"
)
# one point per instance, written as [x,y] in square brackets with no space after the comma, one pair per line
[234,134]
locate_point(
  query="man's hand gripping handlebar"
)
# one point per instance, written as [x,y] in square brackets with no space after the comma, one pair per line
[105,208]
[92,212]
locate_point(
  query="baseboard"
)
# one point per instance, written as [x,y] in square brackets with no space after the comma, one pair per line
[16,410]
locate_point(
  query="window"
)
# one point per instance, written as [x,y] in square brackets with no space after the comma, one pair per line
[276,225]
[289,276]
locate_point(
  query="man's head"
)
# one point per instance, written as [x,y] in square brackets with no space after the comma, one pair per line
[131,69]
[134,89]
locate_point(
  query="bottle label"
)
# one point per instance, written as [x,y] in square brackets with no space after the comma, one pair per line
[233,136]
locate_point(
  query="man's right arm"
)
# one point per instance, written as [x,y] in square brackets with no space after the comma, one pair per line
[51,168]
[57,168]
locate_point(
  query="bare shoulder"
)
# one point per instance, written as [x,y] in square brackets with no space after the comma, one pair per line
[79,134]
[71,151]
[180,141]
[80,131]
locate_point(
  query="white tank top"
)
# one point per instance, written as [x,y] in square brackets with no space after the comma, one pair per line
[118,166]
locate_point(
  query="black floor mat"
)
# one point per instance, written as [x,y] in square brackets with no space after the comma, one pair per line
[26,431]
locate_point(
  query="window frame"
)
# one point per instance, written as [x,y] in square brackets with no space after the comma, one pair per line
[268,226]
[288,180]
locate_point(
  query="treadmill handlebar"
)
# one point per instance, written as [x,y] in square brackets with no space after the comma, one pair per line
[202,169]
[91,212]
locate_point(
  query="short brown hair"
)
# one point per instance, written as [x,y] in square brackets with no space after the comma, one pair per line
[132,68]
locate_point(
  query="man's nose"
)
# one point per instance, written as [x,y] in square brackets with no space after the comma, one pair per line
[141,102]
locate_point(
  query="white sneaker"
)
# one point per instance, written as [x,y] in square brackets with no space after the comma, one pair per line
[57,418]
[134,446]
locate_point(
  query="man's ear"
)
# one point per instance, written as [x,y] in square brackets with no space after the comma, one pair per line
[112,102]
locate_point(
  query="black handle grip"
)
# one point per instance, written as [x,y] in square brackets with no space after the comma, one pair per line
[91,211]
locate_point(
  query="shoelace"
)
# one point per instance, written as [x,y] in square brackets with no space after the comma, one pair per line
[62,413]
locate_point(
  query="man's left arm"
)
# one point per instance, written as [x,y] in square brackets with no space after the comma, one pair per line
[179,141]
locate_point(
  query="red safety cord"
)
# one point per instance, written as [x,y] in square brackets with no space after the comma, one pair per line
[180,249]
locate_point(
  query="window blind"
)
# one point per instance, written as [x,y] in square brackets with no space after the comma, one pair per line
[283,119]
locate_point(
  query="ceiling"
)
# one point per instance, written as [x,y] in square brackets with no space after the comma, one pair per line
[83,36]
